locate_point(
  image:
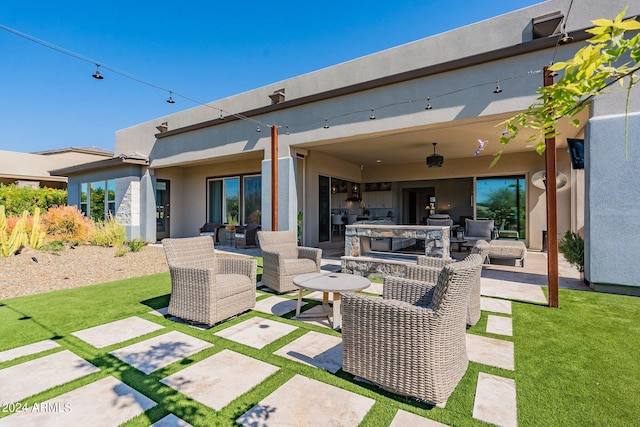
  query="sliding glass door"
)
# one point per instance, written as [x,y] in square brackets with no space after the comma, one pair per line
[503,199]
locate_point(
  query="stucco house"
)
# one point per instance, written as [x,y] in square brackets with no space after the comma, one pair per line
[354,137]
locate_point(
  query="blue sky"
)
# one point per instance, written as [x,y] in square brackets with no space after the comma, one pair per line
[205,50]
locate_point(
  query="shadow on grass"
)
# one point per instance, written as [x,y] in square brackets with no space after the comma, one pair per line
[157,302]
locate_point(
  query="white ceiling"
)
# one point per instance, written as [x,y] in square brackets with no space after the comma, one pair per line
[455,140]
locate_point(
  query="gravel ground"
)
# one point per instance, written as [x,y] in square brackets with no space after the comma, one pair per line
[70,268]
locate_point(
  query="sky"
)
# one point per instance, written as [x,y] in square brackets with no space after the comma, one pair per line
[204,50]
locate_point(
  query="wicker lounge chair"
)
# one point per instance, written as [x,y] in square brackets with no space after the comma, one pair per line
[412,341]
[428,269]
[206,289]
[283,259]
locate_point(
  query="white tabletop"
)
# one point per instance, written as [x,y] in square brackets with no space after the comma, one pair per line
[331,282]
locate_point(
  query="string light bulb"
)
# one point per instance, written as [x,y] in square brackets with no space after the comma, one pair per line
[286,131]
[428,107]
[97,74]
[326,124]
[498,89]
[221,116]
[372,116]
[170,100]
[258,129]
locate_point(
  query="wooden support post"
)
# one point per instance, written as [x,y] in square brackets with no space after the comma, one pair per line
[552,209]
[274,178]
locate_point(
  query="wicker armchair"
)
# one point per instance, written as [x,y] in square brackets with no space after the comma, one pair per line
[428,269]
[283,259]
[206,289]
[412,341]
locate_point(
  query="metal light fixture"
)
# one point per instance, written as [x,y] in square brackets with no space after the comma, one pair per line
[326,124]
[372,116]
[97,74]
[498,89]
[170,100]
[428,107]
[565,38]
[435,160]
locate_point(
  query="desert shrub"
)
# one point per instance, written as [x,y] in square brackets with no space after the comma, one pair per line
[54,246]
[136,245]
[11,242]
[67,224]
[107,233]
[121,251]
[19,199]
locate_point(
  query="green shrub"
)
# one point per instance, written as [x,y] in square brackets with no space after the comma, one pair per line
[17,200]
[136,245]
[572,247]
[107,233]
[67,224]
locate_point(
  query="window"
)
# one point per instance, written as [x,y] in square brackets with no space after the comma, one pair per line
[98,199]
[235,200]
[503,200]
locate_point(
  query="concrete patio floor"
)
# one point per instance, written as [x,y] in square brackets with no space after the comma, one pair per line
[219,379]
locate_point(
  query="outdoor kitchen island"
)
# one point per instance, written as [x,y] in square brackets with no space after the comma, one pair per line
[375,250]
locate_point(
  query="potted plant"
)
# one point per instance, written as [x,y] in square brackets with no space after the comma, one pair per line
[572,247]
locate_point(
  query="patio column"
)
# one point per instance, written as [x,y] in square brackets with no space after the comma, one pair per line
[552,209]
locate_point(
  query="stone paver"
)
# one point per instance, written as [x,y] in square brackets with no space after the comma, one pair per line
[26,379]
[256,332]
[221,378]
[512,290]
[315,349]
[495,400]
[375,288]
[106,402]
[499,325]
[115,332]
[276,305]
[26,350]
[495,305]
[490,351]
[158,352]
[171,421]
[305,402]
[404,419]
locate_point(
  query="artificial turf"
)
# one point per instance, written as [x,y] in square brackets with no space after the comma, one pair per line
[575,365]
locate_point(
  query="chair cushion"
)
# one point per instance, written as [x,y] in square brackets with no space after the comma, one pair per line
[299,266]
[232,284]
[479,228]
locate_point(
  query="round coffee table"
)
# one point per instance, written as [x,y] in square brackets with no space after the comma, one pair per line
[325,283]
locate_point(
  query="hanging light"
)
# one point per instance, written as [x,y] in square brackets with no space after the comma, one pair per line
[498,89]
[97,74]
[170,100]
[286,132]
[221,116]
[258,129]
[565,38]
[326,124]
[428,107]
[372,116]
[435,160]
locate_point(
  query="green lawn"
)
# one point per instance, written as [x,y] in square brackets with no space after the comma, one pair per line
[576,365]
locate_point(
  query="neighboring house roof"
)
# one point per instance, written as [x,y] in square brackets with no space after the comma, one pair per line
[37,166]
[124,158]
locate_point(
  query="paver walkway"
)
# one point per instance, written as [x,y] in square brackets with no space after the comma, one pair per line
[218,380]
